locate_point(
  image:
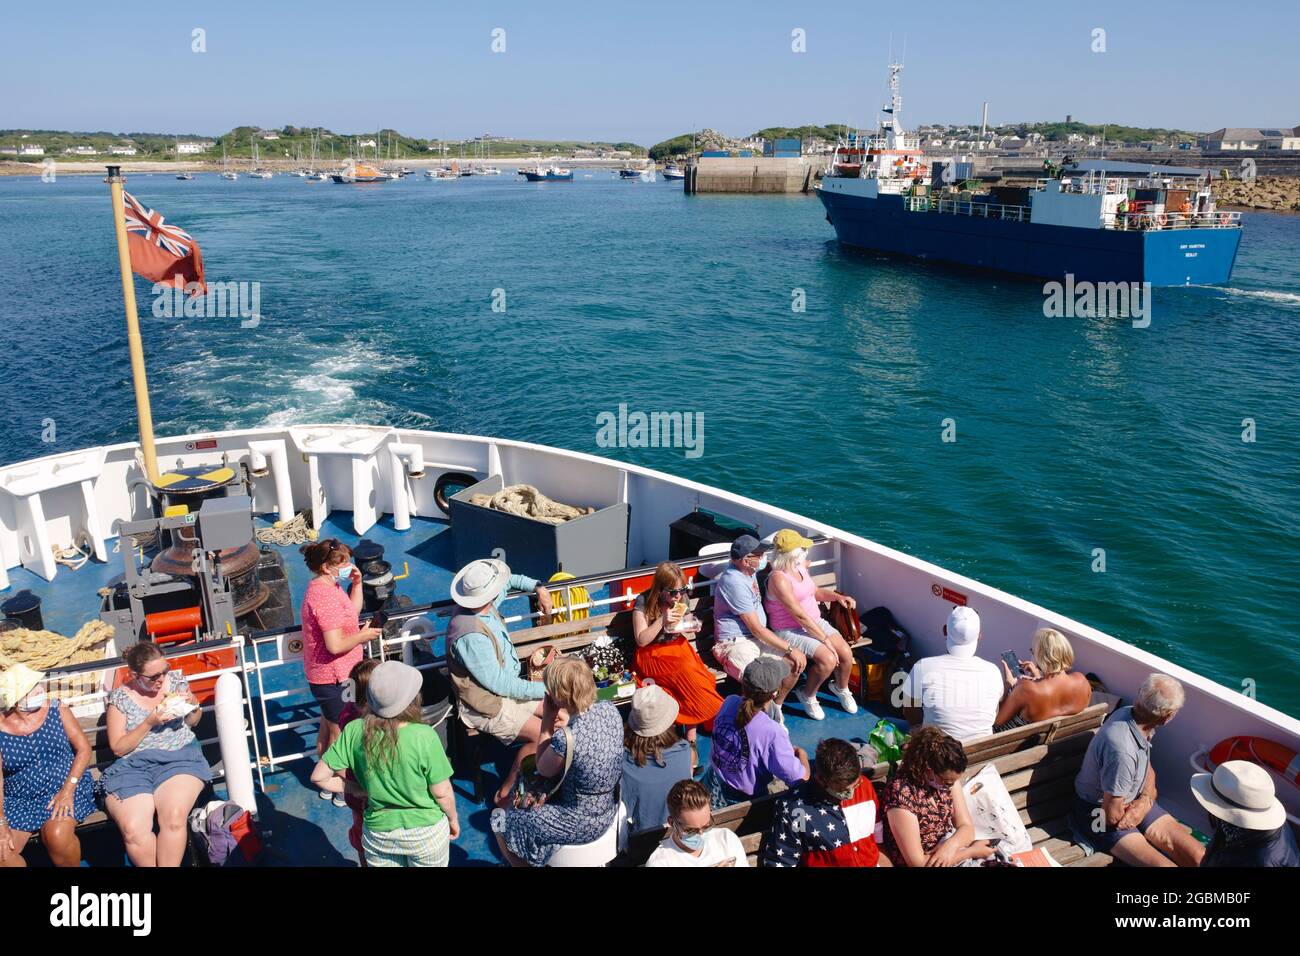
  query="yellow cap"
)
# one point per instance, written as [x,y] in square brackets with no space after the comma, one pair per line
[788,539]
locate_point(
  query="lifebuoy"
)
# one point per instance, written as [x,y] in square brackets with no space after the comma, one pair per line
[448,479]
[1266,753]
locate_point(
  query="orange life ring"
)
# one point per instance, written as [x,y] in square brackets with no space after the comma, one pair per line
[1266,753]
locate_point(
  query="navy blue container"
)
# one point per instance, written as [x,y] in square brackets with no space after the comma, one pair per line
[24,608]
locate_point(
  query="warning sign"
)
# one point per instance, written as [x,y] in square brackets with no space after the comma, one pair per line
[947,594]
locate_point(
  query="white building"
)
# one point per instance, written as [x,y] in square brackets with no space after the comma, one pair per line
[268,134]
[366,143]
[81,151]
[1248,138]
[190,149]
[122,149]
[32,150]
[8,150]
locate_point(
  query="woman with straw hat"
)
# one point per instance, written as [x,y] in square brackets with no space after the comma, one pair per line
[44,786]
[1248,820]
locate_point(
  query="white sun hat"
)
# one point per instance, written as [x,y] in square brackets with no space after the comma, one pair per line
[1241,793]
[479,582]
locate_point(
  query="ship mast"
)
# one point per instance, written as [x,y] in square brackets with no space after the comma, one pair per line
[894,127]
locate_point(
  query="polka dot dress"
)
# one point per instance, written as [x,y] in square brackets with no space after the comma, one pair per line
[35,767]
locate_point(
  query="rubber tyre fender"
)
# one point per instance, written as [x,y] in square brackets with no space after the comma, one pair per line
[446,479]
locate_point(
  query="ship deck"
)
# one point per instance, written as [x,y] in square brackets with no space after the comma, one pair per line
[301,828]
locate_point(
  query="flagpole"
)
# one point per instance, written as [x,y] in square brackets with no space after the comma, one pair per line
[143,412]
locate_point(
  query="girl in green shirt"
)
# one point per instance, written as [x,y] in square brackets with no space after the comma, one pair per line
[399,762]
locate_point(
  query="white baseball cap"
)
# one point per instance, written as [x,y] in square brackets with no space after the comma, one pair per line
[963,631]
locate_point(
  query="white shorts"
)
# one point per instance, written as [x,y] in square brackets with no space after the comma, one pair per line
[801,641]
[737,654]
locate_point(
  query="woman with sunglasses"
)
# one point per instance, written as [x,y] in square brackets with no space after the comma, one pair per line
[692,838]
[669,658]
[160,770]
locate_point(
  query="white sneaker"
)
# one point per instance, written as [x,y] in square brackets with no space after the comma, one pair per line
[812,707]
[846,698]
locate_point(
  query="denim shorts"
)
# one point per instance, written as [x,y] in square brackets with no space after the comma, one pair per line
[144,771]
[1081,822]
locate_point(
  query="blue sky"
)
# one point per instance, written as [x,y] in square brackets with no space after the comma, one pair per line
[638,71]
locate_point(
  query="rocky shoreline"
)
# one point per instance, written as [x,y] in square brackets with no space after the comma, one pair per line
[1276,193]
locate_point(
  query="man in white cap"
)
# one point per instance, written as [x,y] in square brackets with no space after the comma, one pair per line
[485,670]
[1247,819]
[957,692]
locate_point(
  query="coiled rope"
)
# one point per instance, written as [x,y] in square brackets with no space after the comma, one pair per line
[49,651]
[294,531]
[527,502]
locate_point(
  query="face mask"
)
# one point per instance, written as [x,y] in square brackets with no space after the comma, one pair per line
[935,782]
[692,841]
[842,795]
[34,701]
[345,575]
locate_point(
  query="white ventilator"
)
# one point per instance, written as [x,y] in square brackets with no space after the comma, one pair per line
[233,742]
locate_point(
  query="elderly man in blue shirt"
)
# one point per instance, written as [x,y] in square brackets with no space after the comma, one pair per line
[485,670]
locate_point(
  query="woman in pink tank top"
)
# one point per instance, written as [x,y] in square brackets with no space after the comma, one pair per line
[793,612]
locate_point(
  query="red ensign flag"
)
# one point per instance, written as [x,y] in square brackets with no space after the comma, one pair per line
[162,253]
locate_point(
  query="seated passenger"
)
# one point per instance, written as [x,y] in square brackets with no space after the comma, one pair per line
[929,823]
[956,692]
[654,758]
[1115,808]
[485,670]
[584,806]
[740,628]
[1248,820]
[670,660]
[160,767]
[793,612]
[398,761]
[44,786]
[831,820]
[692,838]
[1047,688]
[750,749]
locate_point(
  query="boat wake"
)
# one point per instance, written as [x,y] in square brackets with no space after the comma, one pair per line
[1282,298]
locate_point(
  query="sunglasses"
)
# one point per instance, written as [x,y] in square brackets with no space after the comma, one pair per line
[155,678]
[685,590]
[694,831]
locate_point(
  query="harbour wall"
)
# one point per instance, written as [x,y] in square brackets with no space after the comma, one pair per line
[757,174]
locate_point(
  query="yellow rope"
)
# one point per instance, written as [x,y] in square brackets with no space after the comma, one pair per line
[526,501]
[578,594]
[294,531]
[50,651]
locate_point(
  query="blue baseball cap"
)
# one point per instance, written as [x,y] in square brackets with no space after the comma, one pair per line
[746,545]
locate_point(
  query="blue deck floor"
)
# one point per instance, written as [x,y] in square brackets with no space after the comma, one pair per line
[304,830]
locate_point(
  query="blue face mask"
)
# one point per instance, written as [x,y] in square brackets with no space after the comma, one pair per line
[692,841]
[345,575]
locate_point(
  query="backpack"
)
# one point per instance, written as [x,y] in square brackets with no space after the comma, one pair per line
[225,834]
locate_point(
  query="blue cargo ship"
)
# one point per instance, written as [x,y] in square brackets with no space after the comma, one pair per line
[1164,230]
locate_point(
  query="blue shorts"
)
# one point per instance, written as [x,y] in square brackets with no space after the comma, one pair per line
[1081,822]
[330,698]
[144,771]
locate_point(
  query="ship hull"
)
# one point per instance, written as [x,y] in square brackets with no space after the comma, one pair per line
[534,178]
[1163,258]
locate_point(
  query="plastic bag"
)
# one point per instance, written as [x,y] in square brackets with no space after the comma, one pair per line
[887,740]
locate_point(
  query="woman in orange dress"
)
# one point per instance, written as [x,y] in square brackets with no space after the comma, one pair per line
[669,659]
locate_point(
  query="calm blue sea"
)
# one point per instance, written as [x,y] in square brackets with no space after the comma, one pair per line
[1072,434]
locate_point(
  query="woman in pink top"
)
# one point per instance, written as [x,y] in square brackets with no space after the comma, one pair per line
[792,612]
[331,632]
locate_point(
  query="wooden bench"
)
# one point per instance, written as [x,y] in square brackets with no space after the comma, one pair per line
[1037,763]
[575,636]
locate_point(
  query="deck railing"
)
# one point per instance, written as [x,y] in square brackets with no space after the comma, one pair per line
[1157,221]
[983,210]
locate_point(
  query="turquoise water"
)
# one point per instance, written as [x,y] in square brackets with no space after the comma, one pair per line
[1072,434]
